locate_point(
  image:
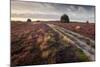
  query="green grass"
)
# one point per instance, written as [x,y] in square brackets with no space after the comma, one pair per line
[82,56]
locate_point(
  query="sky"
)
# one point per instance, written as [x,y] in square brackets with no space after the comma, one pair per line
[21,10]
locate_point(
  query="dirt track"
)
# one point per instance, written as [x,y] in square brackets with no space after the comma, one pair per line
[77,39]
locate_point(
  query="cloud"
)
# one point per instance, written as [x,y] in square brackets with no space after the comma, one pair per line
[40,10]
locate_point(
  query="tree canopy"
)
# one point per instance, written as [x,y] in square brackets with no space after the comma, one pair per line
[64,18]
[28,20]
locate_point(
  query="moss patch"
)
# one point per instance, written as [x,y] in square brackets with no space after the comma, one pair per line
[82,56]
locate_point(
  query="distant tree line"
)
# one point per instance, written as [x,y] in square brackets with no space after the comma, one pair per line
[64,19]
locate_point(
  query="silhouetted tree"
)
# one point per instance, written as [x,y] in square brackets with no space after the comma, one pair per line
[28,20]
[64,18]
[87,21]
